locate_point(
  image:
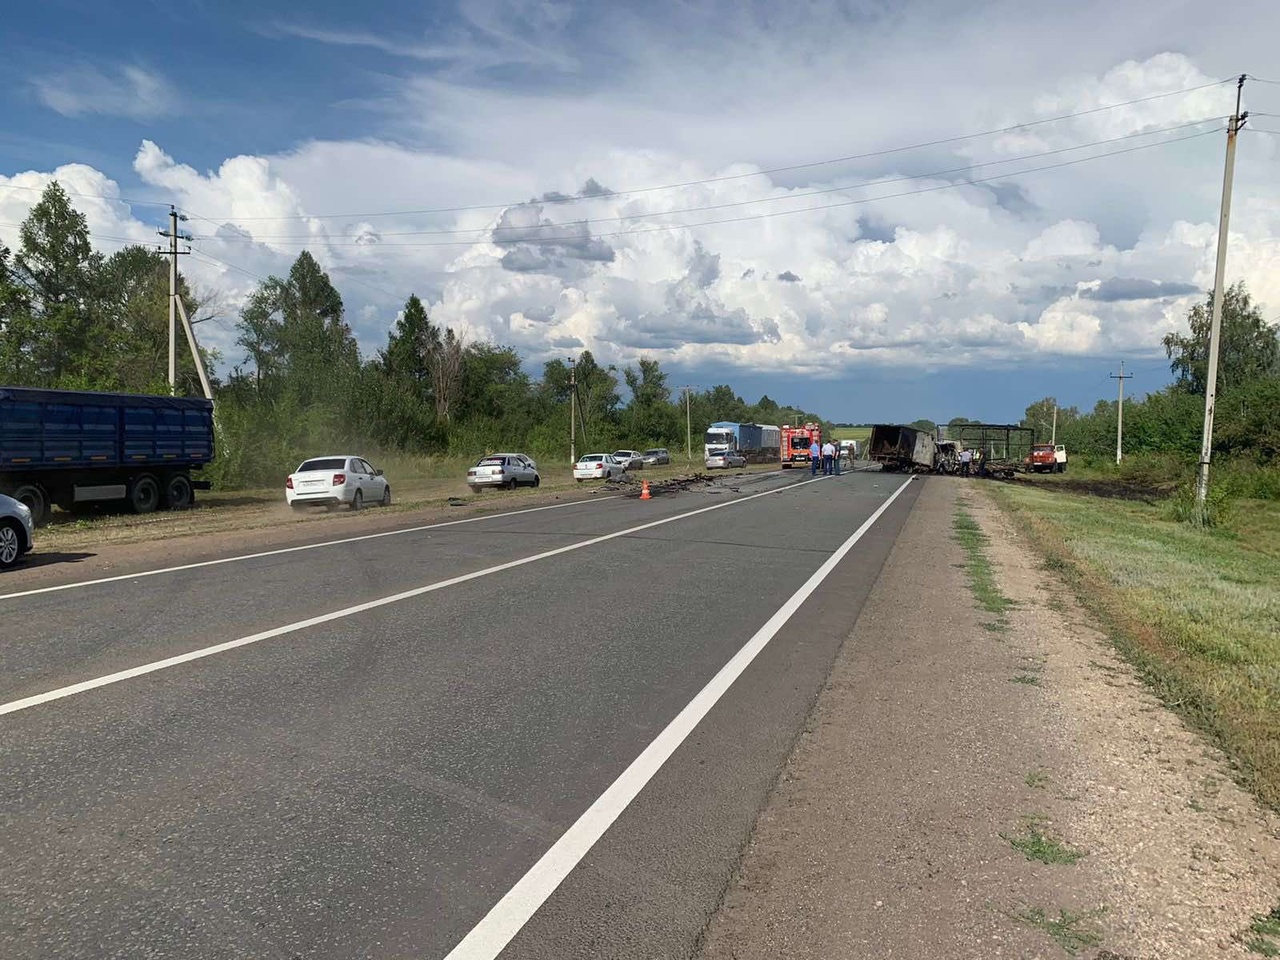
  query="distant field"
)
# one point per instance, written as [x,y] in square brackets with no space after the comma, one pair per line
[852,433]
[1198,612]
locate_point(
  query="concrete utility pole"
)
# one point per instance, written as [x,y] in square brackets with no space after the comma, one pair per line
[1122,377]
[573,410]
[174,252]
[1053,437]
[1234,126]
[688,422]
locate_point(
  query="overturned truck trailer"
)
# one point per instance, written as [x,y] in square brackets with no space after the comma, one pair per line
[901,448]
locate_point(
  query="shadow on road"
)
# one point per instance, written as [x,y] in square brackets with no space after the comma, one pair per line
[39,559]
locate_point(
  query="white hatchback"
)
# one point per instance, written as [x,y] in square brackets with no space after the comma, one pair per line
[336,481]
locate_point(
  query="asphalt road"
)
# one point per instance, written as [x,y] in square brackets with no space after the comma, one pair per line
[372,784]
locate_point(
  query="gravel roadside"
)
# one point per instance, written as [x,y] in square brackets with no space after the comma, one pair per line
[994,783]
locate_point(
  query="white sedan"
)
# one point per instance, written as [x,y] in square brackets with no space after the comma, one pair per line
[597,466]
[505,470]
[336,481]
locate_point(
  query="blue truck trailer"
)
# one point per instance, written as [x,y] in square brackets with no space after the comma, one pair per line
[759,443]
[70,447]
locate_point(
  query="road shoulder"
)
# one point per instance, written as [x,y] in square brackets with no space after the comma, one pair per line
[969,732]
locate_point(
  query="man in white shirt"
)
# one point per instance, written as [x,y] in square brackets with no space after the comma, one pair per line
[966,457]
[828,458]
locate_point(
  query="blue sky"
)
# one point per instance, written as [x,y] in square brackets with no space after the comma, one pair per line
[886,287]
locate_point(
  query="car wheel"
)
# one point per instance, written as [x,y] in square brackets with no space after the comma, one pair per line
[357,500]
[144,494]
[35,500]
[537,480]
[579,479]
[512,483]
[386,495]
[474,489]
[10,543]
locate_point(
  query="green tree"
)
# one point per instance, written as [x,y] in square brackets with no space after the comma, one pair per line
[1249,346]
[58,331]
[411,346]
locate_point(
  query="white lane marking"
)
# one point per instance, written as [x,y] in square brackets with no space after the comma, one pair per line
[305,546]
[86,685]
[490,936]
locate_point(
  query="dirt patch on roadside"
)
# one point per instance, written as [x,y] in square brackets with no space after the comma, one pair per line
[984,777]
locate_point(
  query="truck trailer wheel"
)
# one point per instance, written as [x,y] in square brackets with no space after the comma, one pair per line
[144,494]
[36,501]
[178,492]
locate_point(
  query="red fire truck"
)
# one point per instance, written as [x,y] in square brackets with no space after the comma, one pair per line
[795,443]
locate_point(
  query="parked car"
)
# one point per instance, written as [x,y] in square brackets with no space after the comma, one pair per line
[16,530]
[630,459]
[656,457]
[726,459]
[506,470]
[336,481]
[597,466]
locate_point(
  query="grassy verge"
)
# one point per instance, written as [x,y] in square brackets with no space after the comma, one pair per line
[977,566]
[1197,612]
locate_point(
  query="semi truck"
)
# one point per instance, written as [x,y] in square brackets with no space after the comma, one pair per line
[795,443]
[901,448]
[71,447]
[758,442]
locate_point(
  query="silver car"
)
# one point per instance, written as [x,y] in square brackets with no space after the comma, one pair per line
[656,457]
[630,459]
[17,531]
[726,459]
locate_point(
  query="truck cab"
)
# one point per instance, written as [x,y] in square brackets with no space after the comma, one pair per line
[1048,458]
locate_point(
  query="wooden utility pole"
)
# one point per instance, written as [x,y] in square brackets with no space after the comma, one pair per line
[1234,125]
[1122,377]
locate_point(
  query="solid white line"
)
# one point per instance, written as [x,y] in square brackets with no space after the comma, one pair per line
[68,691]
[490,936]
[305,546]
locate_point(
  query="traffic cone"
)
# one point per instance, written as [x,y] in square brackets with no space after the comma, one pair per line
[644,490]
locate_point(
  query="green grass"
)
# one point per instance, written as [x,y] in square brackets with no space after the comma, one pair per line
[977,566]
[1037,779]
[1034,844]
[1263,935]
[1069,930]
[1196,611]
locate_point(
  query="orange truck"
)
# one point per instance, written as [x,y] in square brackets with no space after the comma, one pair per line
[795,443]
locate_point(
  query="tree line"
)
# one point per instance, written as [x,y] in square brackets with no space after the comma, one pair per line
[1169,422]
[73,318]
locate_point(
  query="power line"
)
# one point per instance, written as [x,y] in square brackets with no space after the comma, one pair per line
[780,213]
[261,279]
[557,199]
[484,233]
[87,196]
[1274,83]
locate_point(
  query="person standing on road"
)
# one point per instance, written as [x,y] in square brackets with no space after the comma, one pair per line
[815,457]
[828,455]
[966,458]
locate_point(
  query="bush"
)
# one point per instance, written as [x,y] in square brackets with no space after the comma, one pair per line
[1218,508]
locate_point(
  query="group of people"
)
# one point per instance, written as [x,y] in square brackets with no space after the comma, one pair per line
[970,460]
[824,456]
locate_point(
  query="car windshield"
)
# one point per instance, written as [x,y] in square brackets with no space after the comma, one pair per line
[324,463]
[592,458]
[622,454]
[654,453]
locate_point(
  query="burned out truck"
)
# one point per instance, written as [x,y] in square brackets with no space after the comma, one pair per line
[902,449]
